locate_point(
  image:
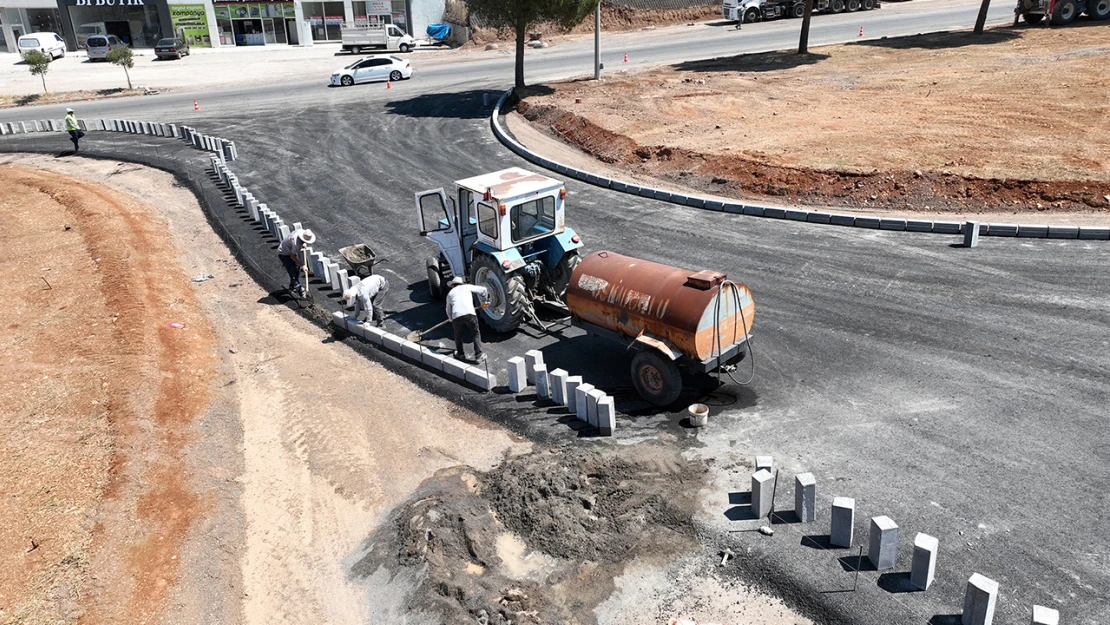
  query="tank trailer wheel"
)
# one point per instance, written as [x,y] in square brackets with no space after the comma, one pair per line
[656,378]
[507,295]
[435,279]
[853,6]
[836,6]
[868,5]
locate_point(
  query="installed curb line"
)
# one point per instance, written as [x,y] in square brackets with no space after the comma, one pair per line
[790,214]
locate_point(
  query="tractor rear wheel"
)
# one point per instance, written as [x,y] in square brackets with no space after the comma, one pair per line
[435,279]
[656,379]
[560,275]
[1065,12]
[507,295]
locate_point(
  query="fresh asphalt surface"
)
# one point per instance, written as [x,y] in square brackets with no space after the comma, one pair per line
[959,391]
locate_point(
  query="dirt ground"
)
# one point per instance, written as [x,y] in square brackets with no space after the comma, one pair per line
[1013,121]
[614,18]
[245,468]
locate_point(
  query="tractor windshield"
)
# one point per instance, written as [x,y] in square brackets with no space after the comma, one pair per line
[533,219]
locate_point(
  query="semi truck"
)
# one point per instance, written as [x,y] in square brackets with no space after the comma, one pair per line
[1060,12]
[747,11]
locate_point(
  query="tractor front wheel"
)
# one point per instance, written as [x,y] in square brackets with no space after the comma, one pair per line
[507,295]
[435,278]
[656,379]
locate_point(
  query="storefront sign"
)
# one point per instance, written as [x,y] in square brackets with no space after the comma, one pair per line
[379,7]
[191,19]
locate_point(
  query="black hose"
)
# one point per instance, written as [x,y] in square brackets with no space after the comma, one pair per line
[717,331]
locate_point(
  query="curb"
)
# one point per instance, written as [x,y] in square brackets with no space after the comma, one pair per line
[793,214]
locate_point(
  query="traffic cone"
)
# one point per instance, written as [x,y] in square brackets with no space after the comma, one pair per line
[625,57]
[196,107]
[861,31]
[388,85]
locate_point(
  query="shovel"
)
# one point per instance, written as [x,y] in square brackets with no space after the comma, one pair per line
[418,335]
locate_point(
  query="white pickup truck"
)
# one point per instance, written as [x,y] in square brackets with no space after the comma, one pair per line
[358,38]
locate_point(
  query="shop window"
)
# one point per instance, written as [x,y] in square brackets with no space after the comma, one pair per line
[137,26]
[45,20]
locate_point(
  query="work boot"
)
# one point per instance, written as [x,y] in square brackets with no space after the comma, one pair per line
[459,356]
[480,357]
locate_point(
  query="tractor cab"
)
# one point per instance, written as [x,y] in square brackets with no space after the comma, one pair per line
[504,230]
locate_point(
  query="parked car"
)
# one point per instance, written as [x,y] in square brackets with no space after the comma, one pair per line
[49,44]
[371,69]
[98,46]
[84,31]
[171,48]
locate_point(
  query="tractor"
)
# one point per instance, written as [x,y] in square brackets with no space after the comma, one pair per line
[505,231]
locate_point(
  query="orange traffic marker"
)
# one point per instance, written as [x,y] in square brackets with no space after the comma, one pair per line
[196,107]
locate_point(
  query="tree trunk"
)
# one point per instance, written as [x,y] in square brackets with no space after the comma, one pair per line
[981,21]
[803,41]
[128,74]
[43,77]
[520,28]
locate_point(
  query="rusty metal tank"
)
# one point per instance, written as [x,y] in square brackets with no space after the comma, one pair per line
[688,310]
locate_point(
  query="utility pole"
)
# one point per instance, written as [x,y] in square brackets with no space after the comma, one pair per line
[597,42]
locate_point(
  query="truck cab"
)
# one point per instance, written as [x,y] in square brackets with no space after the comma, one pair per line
[507,231]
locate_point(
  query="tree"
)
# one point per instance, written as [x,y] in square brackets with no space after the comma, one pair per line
[981,20]
[520,15]
[39,64]
[803,42]
[122,56]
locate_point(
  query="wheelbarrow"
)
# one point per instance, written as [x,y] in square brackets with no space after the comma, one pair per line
[361,258]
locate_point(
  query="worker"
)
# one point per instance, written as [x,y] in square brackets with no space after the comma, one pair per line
[368,294]
[290,253]
[74,130]
[460,310]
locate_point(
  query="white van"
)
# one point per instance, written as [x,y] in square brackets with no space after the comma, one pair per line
[49,44]
[358,38]
[84,31]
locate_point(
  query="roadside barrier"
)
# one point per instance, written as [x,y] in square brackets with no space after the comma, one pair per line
[793,214]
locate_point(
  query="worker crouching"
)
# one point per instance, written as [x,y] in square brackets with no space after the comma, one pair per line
[368,295]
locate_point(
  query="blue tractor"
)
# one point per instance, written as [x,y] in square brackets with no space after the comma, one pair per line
[505,231]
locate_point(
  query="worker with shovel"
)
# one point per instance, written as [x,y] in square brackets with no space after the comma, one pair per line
[290,252]
[460,310]
[368,294]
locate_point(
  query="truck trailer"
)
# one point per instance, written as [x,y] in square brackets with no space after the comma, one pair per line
[747,11]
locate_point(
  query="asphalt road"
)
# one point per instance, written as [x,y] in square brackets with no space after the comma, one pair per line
[959,391]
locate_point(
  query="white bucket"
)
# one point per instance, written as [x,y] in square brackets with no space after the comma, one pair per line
[699,415]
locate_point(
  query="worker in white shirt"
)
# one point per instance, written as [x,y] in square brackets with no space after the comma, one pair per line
[368,294]
[460,310]
[289,252]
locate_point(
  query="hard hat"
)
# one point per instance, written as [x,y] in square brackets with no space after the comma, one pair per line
[308,237]
[456,281]
[68,110]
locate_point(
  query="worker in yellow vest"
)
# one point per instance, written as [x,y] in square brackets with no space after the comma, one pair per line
[74,130]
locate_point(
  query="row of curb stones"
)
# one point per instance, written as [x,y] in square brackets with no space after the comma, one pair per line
[772,212]
[224,149]
[981,594]
[589,404]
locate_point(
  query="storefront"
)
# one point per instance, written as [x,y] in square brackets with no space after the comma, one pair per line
[20,17]
[256,23]
[138,23]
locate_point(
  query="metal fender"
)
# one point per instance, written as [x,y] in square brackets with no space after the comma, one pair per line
[516,261]
[559,245]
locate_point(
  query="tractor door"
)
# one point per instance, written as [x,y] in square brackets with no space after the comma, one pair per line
[468,217]
[438,224]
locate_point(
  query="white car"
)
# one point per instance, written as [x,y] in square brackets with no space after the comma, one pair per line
[49,44]
[371,69]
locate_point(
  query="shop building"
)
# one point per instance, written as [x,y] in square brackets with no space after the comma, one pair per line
[203,23]
[22,17]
